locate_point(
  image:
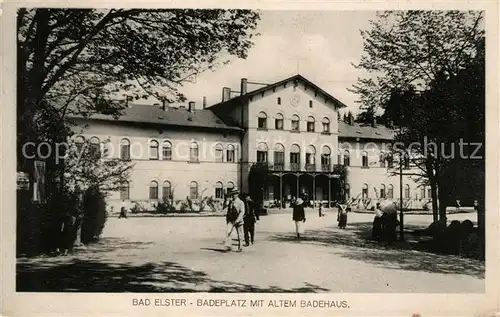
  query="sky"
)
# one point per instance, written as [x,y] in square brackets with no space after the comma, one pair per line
[320,45]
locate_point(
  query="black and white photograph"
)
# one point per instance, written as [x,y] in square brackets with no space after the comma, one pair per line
[249,150]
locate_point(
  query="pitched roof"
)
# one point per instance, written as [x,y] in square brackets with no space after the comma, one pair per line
[181,117]
[365,131]
[297,77]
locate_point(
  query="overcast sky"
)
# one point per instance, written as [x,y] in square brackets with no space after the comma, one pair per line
[319,45]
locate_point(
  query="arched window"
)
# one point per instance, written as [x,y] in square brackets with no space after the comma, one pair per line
[310,124]
[295,123]
[407,191]
[364,192]
[230,154]
[219,153]
[95,147]
[153,190]
[311,158]
[279,156]
[219,191]
[382,191]
[167,191]
[262,123]
[167,151]
[364,159]
[326,125]
[153,150]
[390,191]
[193,190]
[347,191]
[295,157]
[347,158]
[125,149]
[422,191]
[262,153]
[125,191]
[193,152]
[325,158]
[278,122]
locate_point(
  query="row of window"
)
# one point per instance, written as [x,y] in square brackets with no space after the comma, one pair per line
[166,150]
[166,190]
[388,192]
[295,120]
[345,158]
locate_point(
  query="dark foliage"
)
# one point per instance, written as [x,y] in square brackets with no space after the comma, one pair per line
[94,217]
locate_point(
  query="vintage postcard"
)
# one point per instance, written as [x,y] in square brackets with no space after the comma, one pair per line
[259,158]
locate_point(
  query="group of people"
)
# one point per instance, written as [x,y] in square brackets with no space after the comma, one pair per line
[385,223]
[241,216]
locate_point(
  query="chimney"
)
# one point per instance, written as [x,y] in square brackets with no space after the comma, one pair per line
[191,106]
[374,122]
[243,88]
[226,94]
[204,102]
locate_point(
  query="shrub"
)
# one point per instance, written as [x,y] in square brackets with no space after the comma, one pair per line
[94,217]
[138,208]
[165,207]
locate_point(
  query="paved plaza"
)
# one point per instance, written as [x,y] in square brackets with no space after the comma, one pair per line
[177,254]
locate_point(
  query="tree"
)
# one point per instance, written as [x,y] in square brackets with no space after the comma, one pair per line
[404,49]
[258,179]
[420,58]
[79,61]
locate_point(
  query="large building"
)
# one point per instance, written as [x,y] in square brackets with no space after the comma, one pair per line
[293,126]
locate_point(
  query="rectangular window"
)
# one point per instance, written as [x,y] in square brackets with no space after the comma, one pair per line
[365,193]
[295,125]
[153,153]
[167,153]
[295,161]
[193,155]
[125,192]
[125,152]
[219,156]
[365,161]
[310,126]
[407,193]
[219,193]
[429,192]
[166,192]
[262,123]
[279,158]
[278,124]
[326,127]
[153,192]
[390,162]
[261,157]
[390,193]
[230,156]
[382,192]
[193,192]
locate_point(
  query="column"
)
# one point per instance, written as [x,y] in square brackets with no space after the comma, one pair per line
[281,191]
[329,191]
[314,187]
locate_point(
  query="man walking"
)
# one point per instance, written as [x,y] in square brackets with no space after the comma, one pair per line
[249,221]
[236,212]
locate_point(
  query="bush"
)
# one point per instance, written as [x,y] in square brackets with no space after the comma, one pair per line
[164,207]
[138,208]
[94,217]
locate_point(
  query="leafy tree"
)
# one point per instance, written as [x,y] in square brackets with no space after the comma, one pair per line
[258,179]
[81,60]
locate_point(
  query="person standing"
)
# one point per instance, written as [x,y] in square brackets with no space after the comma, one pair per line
[249,221]
[342,215]
[299,216]
[234,218]
[123,211]
[377,223]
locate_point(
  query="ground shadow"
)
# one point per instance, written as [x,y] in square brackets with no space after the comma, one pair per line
[409,255]
[82,272]
[95,276]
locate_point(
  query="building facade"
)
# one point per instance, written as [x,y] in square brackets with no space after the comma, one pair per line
[291,126]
